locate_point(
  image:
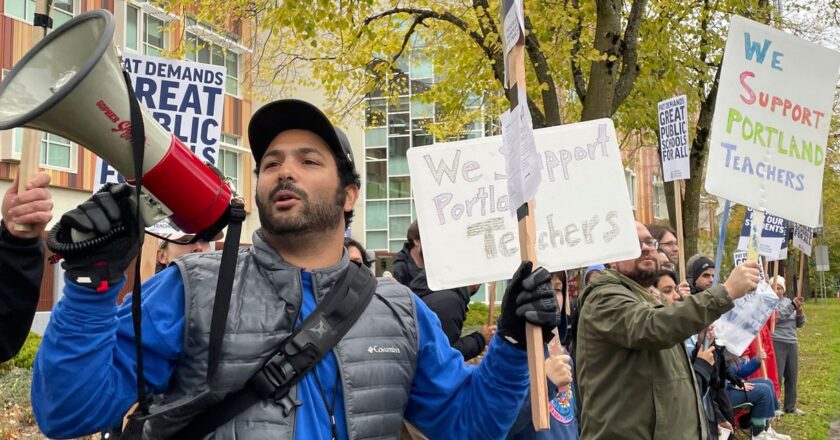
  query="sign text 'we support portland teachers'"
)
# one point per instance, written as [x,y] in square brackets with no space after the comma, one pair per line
[771,121]
[186,98]
[583,212]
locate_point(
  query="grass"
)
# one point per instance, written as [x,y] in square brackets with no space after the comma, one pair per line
[819,376]
[819,373]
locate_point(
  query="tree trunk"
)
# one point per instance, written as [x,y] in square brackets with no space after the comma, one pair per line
[697,165]
[600,89]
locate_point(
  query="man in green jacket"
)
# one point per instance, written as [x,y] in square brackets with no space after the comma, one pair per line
[634,376]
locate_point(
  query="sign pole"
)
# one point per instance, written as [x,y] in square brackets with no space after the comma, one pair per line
[31,145]
[724,223]
[801,274]
[491,303]
[525,213]
[775,284]
[680,233]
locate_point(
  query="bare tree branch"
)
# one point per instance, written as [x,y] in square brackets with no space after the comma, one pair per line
[551,105]
[629,54]
[577,72]
[448,17]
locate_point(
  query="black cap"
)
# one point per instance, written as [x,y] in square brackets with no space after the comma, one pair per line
[287,114]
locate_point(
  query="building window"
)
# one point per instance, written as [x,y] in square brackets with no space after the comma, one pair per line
[630,176]
[204,51]
[392,127]
[132,29]
[660,207]
[21,9]
[57,152]
[230,160]
[62,12]
[15,134]
[154,36]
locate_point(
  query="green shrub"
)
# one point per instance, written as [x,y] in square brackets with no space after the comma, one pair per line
[477,314]
[25,357]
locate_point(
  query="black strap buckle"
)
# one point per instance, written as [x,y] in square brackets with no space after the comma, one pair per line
[273,379]
[42,20]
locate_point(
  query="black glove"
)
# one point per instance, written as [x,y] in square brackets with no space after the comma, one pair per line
[111,217]
[528,298]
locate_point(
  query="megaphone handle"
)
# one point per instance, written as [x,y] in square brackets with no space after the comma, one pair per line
[28,165]
[29,152]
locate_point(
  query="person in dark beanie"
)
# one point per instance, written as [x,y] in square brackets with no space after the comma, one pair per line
[700,274]
[408,263]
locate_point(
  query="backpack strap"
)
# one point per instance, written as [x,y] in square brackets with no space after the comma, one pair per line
[298,354]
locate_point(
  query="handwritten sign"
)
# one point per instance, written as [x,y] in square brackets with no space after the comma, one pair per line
[802,238]
[771,121]
[673,138]
[583,208]
[773,244]
[186,98]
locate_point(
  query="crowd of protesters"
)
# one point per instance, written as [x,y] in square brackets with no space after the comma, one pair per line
[632,354]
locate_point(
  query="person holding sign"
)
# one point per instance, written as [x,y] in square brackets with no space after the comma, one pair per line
[394,363]
[789,317]
[630,346]
[21,260]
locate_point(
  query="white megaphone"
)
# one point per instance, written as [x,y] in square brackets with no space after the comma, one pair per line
[71,84]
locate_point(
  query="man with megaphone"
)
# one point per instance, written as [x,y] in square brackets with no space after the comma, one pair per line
[21,259]
[313,346]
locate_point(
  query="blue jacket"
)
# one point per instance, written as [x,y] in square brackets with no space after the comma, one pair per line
[745,368]
[84,378]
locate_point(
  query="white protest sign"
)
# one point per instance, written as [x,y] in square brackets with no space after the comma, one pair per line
[773,244]
[583,213]
[771,121]
[737,328]
[802,238]
[185,97]
[673,138]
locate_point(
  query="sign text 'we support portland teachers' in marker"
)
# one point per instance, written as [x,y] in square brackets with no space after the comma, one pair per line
[186,98]
[771,121]
[583,213]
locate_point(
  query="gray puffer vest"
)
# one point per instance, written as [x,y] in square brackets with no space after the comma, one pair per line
[377,357]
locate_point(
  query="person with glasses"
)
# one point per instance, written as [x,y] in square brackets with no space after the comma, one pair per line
[630,346]
[667,239]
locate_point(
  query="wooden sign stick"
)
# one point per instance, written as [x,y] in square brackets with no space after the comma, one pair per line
[801,274]
[680,233]
[528,250]
[31,145]
[491,303]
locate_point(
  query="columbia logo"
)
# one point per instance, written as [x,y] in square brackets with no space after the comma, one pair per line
[377,349]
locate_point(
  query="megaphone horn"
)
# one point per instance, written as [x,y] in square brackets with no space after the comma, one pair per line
[71,84]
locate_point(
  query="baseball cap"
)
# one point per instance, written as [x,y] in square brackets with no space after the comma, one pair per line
[182,238]
[287,114]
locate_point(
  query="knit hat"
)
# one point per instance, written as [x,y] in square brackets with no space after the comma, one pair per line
[780,280]
[696,266]
[593,268]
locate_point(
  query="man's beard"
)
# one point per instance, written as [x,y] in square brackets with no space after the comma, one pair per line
[316,216]
[644,277]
